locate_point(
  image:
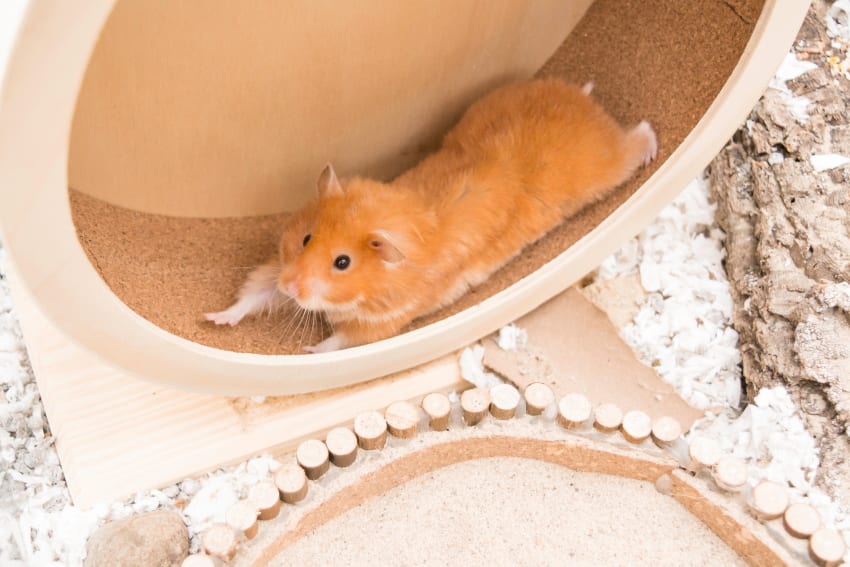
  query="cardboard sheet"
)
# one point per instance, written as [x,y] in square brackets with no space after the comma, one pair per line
[574,347]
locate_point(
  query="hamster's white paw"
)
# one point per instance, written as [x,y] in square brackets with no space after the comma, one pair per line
[330,344]
[651,147]
[227,317]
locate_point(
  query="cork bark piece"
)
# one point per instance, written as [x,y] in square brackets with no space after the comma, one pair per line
[220,541]
[266,497]
[769,500]
[574,410]
[438,408]
[242,517]
[704,451]
[474,403]
[198,560]
[291,482]
[827,547]
[665,431]
[313,457]
[637,426]
[607,417]
[801,520]
[371,430]
[730,473]
[538,397]
[402,418]
[504,400]
[342,446]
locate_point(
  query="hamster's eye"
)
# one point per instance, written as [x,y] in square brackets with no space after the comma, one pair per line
[342,262]
[306,240]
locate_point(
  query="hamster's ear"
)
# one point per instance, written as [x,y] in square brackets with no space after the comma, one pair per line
[382,242]
[328,184]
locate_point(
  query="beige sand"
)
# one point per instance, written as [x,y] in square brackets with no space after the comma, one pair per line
[509,511]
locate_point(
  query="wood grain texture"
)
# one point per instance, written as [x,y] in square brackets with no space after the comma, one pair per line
[116,435]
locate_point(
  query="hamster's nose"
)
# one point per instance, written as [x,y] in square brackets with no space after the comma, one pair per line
[292,289]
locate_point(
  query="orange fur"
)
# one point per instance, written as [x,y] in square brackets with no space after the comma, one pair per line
[519,161]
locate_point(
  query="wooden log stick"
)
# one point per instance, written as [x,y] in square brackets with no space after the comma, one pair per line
[801,520]
[769,500]
[474,403]
[827,547]
[504,400]
[574,410]
[665,431]
[636,427]
[438,408]
[266,497]
[607,417]
[242,517]
[730,473]
[402,419]
[538,397]
[342,446]
[371,430]
[704,451]
[313,457]
[198,560]
[291,482]
[219,541]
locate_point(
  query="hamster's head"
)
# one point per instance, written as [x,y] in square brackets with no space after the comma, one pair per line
[365,237]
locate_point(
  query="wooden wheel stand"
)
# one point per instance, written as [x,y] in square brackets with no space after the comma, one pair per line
[132,385]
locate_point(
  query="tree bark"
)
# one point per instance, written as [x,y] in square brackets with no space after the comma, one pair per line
[788,246]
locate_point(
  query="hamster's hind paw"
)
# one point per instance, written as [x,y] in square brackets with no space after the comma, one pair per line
[651,142]
[330,344]
[226,317]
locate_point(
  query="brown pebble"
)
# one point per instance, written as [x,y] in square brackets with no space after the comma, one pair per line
[313,457]
[769,500]
[219,541]
[607,417]
[402,418]
[291,482]
[474,402]
[574,410]
[664,484]
[140,539]
[342,446]
[371,430]
[730,473]
[827,547]
[637,426]
[665,431]
[438,408]
[266,497]
[242,517]
[801,520]
[538,397]
[504,400]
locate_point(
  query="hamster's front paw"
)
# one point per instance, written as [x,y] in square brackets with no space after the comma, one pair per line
[330,344]
[227,317]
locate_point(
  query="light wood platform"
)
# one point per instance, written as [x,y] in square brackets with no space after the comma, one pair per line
[117,435]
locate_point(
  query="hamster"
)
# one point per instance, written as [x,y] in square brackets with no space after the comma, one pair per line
[260,291]
[519,161]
